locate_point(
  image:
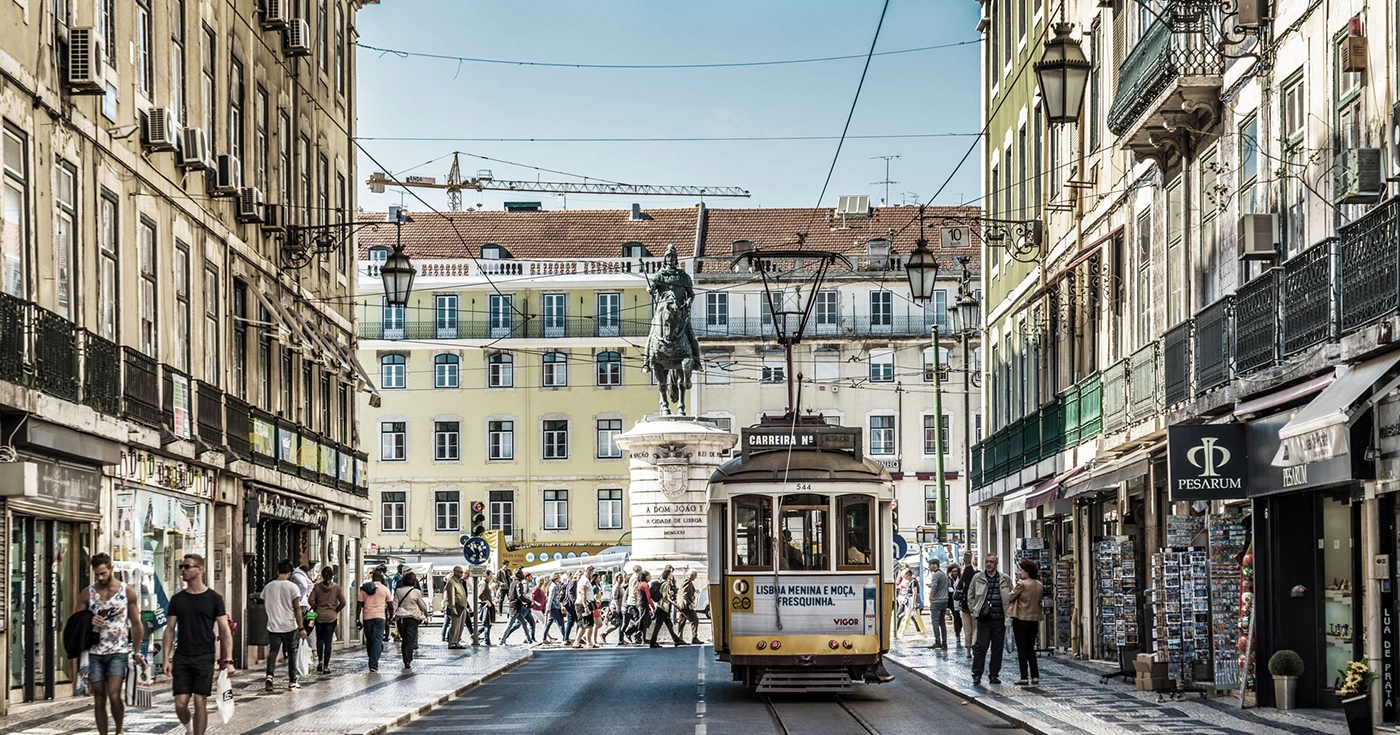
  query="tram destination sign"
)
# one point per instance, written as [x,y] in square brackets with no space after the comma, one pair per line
[784,438]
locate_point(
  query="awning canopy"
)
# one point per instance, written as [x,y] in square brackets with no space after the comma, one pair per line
[1287,395]
[1015,502]
[1319,431]
[1110,475]
[1049,491]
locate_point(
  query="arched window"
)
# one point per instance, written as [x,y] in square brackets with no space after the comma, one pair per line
[394,371]
[445,371]
[500,372]
[556,370]
[609,368]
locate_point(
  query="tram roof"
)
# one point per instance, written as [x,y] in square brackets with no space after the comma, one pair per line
[801,466]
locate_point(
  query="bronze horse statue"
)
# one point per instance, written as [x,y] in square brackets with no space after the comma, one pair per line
[668,357]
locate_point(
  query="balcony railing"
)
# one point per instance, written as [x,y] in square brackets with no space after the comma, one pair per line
[209,413]
[1145,385]
[141,388]
[1212,344]
[56,355]
[1176,363]
[1308,297]
[102,374]
[539,267]
[1257,322]
[13,338]
[1157,59]
[1368,267]
[1071,418]
[1115,397]
[533,328]
[895,325]
[724,268]
[239,428]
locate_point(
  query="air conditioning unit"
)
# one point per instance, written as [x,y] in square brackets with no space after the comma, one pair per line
[86,59]
[1361,181]
[276,13]
[298,38]
[1353,53]
[195,150]
[274,218]
[161,129]
[1258,237]
[250,205]
[228,177]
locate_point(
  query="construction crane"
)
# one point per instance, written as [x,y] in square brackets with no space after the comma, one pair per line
[484,181]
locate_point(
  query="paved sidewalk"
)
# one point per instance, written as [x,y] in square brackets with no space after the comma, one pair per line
[1071,700]
[349,701]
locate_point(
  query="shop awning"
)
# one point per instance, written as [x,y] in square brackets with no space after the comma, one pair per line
[1287,395]
[1015,502]
[1112,474]
[1049,491]
[1319,431]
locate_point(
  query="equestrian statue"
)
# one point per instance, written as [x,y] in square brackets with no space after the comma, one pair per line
[672,352]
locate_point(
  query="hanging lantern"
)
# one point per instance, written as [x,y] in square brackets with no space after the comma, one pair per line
[1063,73]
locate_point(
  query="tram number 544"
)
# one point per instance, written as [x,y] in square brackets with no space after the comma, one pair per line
[741,594]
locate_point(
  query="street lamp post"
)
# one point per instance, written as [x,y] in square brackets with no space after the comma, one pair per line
[922,269]
[398,270]
[967,320]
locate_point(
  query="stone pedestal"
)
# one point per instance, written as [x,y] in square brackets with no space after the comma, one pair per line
[672,458]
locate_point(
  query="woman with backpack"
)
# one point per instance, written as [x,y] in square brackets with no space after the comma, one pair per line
[410,611]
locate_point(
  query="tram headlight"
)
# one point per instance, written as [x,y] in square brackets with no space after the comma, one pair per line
[846,645]
[762,645]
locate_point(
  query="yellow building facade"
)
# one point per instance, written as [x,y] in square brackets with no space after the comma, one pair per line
[507,377]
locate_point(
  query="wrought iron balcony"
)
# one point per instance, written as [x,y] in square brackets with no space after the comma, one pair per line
[55,355]
[539,327]
[1368,267]
[1257,322]
[1168,86]
[141,388]
[14,332]
[1115,397]
[209,413]
[916,325]
[102,374]
[1308,297]
[1176,363]
[1213,338]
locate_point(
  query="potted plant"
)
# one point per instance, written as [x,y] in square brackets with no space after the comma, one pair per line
[1356,696]
[1285,667]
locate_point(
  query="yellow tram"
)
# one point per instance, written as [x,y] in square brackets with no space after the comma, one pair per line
[801,563]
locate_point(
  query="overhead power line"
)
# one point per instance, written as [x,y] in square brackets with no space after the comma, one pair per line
[672,139]
[717,65]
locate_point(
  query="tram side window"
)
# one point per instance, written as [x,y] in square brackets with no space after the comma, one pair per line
[753,533]
[857,542]
[804,534]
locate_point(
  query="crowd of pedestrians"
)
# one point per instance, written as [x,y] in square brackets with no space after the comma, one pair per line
[983,603]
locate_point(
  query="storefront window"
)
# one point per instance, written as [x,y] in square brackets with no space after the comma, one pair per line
[152,533]
[804,533]
[1338,610]
[753,533]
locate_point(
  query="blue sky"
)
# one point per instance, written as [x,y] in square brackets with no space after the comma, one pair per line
[924,92]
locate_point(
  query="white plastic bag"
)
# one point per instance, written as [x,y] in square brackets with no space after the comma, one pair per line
[224,697]
[303,659]
[138,685]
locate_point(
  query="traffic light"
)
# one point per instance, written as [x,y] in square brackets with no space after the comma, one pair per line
[478,518]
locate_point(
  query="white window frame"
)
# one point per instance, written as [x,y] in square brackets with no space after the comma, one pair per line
[447,441]
[881,308]
[608,372]
[500,506]
[393,372]
[610,509]
[886,445]
[445,315]
[500,372]
[717,311]
[554,438]
[393,441]
[554,370]
[393,511]
[556,510]
[447,511]
[447,369]
[500,440]
[608,430]
[882,365]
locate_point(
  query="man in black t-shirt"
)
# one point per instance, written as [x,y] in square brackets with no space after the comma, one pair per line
[193,614]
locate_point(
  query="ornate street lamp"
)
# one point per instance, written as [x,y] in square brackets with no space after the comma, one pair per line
[398,270]
[921,267]
[1063,72]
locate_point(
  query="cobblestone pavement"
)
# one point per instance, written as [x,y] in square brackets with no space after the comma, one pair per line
[1072,699]
[350,700]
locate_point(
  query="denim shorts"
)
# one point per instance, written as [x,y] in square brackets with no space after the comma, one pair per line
[103,666]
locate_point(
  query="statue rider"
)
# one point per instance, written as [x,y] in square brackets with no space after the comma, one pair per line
[671,278]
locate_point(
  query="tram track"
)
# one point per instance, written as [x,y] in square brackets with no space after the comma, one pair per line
[804,715]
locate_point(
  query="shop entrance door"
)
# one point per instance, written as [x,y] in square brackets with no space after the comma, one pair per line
[47,560]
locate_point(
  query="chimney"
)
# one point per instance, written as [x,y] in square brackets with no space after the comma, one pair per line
[637,212]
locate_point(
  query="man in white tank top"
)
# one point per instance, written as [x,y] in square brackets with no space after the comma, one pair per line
[118,621]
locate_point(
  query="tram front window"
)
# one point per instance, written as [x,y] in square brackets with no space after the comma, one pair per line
[753,533]
[857,548]
[804,530]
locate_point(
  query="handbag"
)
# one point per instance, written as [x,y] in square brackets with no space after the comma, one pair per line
[224,697]
[138,685]
[303,659]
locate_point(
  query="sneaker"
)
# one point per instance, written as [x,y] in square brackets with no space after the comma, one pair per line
[189,728]
[1022,682]
[407,670]
[976,682]
[1035,681]
[294,685]
[695,642]
[373,670]
[994,680]
[267,687]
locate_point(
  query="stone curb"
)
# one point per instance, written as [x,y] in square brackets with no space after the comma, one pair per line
[1036,726]
[423,709]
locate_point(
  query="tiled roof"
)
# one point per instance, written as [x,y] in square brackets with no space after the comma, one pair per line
[601,233]
[571,233]
[823,229]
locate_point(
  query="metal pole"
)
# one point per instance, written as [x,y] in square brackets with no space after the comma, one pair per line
[476,610]
[967,442]
[938,421]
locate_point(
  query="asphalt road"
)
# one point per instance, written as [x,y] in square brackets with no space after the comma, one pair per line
[686,691]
